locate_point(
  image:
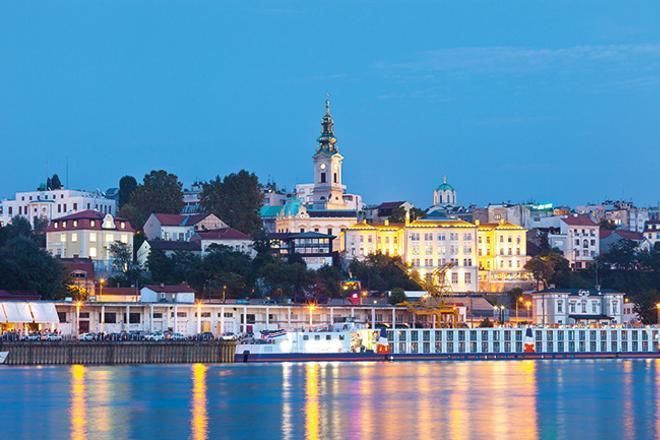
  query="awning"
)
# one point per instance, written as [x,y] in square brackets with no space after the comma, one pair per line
[16,312]
[44,313]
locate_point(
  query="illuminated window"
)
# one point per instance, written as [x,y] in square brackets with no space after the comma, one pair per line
[74,237]
[124,238]
[62,238]
[55,225]
[92,252]
[92,223]
[92,237]
[109,238]
[75,223]
[122,225]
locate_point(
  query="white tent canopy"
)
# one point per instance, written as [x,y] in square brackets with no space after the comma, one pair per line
[44,313]
[16,312]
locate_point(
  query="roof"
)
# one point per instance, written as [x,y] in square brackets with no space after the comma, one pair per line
[172,245]
[83,220]
[284,236]
[180,219]
[577,292]
[80,264]
[19,295]
[223,234]
[578,220]
[119,291]
[389,205]
[590,317]
[270,211]
[501,226]
[342,213]
[170,288]
[441,223]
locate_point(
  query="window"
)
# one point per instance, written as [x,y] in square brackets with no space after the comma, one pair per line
[55,225]
[92,252]
[74,237]
[454,277]
[109,238]
[322,177]
[122,225]
[92,223]
[468,278]
[92,237]
[110,318]
[63,238]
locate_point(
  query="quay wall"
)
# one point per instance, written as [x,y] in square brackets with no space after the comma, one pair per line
[118,353]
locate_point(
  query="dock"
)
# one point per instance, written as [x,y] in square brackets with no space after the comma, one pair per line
[118,353]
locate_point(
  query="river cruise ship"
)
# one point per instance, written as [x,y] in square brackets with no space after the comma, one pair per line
[453,344]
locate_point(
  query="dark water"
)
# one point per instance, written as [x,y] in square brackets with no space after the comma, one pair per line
[514,400]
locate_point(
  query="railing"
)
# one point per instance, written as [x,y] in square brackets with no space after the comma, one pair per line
[512,340]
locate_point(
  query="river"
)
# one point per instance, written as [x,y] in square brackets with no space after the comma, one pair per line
[479,399]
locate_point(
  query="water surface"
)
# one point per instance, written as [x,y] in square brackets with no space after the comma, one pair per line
[487,399]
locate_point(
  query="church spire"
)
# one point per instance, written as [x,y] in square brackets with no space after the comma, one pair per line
[327,139]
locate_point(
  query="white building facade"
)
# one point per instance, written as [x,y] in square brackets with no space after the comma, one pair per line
[578,239]
[52,204]
[572,306]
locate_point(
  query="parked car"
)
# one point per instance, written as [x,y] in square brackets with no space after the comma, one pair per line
[156,337]
[177,337]
[33,337]
[53,337]
[87,337]
[206,336]
[228,336]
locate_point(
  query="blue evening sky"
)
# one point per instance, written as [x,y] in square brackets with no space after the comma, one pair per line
[547,100]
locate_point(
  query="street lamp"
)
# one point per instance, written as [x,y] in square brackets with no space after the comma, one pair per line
[363,295]
[501,314]
[101,283]
[311,311]
[521,300]
[528,304]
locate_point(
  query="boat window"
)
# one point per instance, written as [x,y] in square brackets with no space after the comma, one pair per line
[306,338]
[317,337]
[328,337]
[341,337]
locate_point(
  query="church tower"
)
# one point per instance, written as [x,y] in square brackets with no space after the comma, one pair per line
[444,195]
[328,192]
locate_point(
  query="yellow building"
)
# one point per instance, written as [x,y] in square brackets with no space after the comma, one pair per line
[502,254]
[484,257]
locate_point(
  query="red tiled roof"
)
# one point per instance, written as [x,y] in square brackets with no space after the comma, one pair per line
[180,219]
[223,234]
[19,295]
[604,233]
[84,219]
[82,264]
[578,220]
[170,288]
[119,291]
[630,235]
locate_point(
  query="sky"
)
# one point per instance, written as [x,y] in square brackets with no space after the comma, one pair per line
[552,101]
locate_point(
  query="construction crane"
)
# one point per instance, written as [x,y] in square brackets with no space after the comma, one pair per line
[434,303]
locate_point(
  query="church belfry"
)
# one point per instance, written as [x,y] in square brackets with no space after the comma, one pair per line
[328,190]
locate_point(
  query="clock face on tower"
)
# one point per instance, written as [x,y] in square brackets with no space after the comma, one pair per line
[323,166]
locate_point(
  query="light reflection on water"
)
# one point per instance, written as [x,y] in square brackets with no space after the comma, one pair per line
[522,400]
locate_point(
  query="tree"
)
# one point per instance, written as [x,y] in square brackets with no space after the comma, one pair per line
[161,267]
[127,185]
[398,214]
[159,192]
[397,296]
[236,199]
[55,182]
[382,272]
[645,305]
[328,281]
[24,266]
[122,256]
[19,227]
[547,267]
[607,224]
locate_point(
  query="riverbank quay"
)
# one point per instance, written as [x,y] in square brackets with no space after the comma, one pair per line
[118,353]
[447,357]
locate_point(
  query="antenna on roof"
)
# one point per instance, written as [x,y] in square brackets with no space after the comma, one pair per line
[67,171]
